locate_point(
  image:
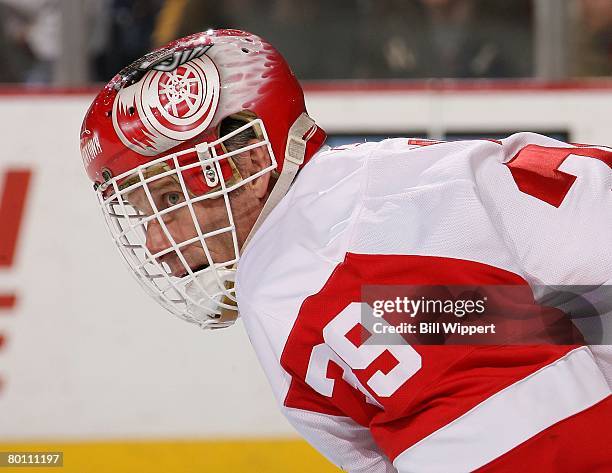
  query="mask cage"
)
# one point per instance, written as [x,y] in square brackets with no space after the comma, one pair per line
[201,294]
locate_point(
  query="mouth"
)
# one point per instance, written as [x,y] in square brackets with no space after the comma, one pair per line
[175,268]
[183,271]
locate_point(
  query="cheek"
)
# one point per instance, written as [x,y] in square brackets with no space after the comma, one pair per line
[181,225]
[212,215]
[221,247]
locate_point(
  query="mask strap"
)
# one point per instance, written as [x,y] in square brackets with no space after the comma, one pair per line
[294,158]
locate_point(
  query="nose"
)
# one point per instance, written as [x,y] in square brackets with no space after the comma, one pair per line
[156,238]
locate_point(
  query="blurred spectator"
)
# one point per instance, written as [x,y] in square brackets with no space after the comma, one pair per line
[394,39]
[15,57]
[343,39]
[30,37]
[449,38]
[320,40]
[33,28]
[593,55]
[179,18]
[373,38]
[456,45]
[130,27]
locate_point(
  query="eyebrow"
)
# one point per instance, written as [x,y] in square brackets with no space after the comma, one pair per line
[154,187]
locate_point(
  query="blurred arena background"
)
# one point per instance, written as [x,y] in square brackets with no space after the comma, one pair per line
[92,367]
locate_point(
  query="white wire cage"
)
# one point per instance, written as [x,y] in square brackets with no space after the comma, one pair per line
[198,294]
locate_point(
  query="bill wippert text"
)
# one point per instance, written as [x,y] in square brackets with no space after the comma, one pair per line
[423,328]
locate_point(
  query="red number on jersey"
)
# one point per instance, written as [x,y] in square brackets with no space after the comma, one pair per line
[535,170]
[349,356]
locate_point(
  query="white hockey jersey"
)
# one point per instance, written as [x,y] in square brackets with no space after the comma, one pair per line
[524,210]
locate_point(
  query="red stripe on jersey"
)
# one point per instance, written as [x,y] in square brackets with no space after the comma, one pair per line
[423,142]
[451,380]
[555,449]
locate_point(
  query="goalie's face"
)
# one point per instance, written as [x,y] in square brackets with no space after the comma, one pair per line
[182,240]
[189,238]
[180,227]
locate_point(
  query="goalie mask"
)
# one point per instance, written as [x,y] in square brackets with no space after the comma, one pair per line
[162,143]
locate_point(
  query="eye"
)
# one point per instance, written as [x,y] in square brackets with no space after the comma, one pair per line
[172,198]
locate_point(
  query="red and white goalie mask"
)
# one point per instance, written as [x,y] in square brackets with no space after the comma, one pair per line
[162,143]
